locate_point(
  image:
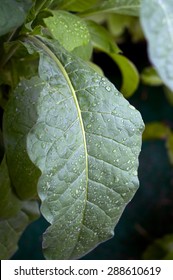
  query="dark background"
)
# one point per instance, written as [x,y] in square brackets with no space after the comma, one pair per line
[150,213]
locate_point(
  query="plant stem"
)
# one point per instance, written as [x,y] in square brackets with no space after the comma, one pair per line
[7,57]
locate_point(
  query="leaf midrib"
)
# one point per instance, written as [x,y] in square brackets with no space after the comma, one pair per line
[39,43]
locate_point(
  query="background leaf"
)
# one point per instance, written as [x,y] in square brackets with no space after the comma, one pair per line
[169,146]
[129,72]
[127,7]
[87,150]
[76,5]
[155,131]
[150,77]
[157,22]
[19,117]
[12,14]
[68,29]
[12,228]
[160,249]
[102,40]
[10,204]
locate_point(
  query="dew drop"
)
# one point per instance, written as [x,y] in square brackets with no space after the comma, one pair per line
[131,107]
[88,126]
[43,145]
[108,88]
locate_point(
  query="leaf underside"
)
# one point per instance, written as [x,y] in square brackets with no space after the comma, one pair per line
[157,25]
[85,140]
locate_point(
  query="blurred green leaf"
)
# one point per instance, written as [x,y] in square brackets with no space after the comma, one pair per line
[160,249]
[12,228]
[118,23]
[16,125]
[9,203]
[155,130]
[101,38]
[169,146]
[150,77]
[129,72]
[168,94]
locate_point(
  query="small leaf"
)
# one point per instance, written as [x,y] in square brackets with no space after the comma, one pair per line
[12,228]
[150,77]
[19,117]
[130,75]
[126,7]
[68,29]
[12,14]
[157,22]
[10,204]
[86,142]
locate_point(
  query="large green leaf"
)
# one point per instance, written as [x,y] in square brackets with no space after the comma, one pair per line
[12,14]
[9,204]
[126,7]
[157,22]
[19,117]
[68,29]
[86,142]
[12,228]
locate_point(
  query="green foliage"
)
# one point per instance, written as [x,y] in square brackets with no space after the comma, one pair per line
[13,14]
[70,140]
[160,249]
[12,228]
